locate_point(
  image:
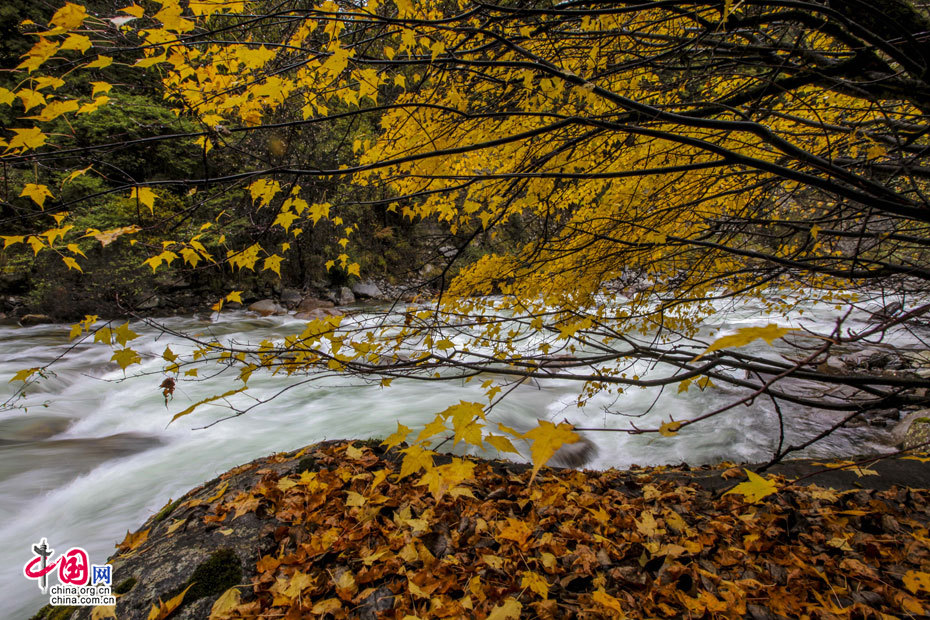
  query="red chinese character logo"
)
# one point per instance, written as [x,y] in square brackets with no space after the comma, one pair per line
[73,567]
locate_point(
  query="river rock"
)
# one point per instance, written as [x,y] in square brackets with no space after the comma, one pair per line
[316,313]
[366,290]
[312,303]
[291,297]
[913,430]
[148,303]
[35,319]
[267,307]
[342,296]
[832,366]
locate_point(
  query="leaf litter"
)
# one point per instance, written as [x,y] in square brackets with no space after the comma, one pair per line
[348,538]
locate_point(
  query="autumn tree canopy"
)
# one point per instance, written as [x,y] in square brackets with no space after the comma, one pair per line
[607,174]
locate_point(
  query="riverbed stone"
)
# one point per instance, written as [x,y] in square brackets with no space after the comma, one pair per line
[291,297]
[342,296]
[316,313]
[35,319]
[312,303]
[366,290]
[267,307]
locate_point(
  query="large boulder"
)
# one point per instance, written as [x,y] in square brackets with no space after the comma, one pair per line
[342,296]
[267,307]
[312,303]
[367,290]
[316,313]
[34,319]
[291,297]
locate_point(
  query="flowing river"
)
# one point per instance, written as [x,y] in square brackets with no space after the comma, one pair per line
[93,456]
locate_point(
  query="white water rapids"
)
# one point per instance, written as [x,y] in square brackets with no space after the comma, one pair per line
[92,457]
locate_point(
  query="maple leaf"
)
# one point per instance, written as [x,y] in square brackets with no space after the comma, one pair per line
[38,193]
[26,139]
[915,581]
[69,17]
[133,541]
[755,488]
[145,196]
[398,437]
[164,609]
[415,459]
[133,9]
[743,336]
[273,263]
[227,602]
[546,439]
[24,374]
[126,357]
[102,612]
[602,598]
[102,62]
[510,609]
[669,429]
[205,401]
[124,334]
[71,263]
[535,582]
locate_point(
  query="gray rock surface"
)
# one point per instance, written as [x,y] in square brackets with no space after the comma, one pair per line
[367,290]
[267,307]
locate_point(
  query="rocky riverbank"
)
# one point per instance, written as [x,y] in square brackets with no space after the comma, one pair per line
[330,531]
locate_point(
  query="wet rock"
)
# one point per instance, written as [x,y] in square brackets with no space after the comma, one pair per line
[342,296]
[832,366]
[291,297]
[366,290]
[316,313]
[35,319]
[312,303]
[150,302]
[267,307]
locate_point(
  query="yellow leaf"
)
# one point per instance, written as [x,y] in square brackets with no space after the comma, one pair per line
[71,263]
[24,374]
[546,439]
[415,459]
[124,334]
[163,610]
[535,582]
[510,609]
[501,443]
[273,263]
[770,333]
[133,9]
[8,241]
[916,581]
[125,358]
[235,296]
[77,42]
[602,598]
[69,17]
[55,109]
[755,488]
[145,196]
[25,139]
[669,429]
[328,606]
[133,541]
[102,612]
[398,437]
[205,401]
[225,604]
[102,62]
